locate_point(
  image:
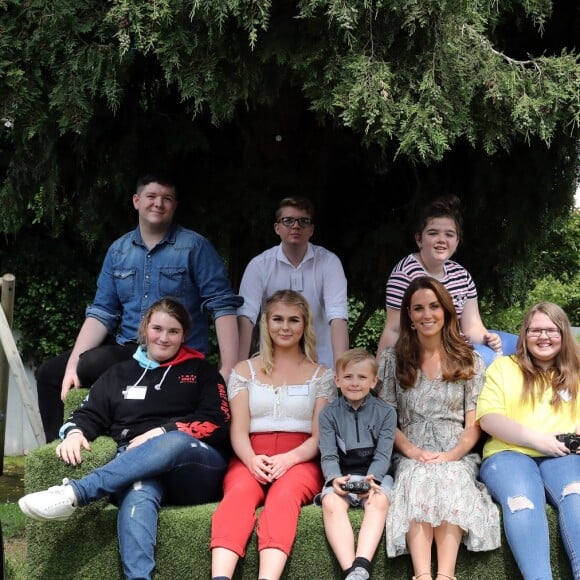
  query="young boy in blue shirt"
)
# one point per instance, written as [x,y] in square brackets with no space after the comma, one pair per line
[357,432]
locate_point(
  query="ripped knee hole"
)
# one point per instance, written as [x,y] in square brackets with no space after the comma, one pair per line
[520,502]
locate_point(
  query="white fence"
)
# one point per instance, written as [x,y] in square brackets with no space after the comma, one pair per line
[19,437]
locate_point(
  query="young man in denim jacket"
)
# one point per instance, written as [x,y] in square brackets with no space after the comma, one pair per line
[159,258]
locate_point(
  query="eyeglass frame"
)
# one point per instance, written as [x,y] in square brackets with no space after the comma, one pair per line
[537,332]
[300,221]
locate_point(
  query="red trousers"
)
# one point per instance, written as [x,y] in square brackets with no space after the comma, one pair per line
[235,517]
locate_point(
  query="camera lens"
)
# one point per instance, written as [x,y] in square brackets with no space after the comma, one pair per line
[573,445]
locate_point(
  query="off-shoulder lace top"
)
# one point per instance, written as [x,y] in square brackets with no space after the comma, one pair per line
[282,408]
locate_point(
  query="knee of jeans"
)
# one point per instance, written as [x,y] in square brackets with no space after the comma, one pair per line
[140,494]
[571,488]
[520,502]
[177,441]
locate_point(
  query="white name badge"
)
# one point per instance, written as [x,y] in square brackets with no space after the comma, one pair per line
[135,392]
[298,391]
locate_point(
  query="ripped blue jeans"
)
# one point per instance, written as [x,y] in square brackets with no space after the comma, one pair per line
[173,468]
[522,485]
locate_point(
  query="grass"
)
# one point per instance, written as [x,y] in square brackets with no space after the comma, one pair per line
[13,520]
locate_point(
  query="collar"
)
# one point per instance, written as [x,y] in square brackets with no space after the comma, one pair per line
[168,238]
[281,256]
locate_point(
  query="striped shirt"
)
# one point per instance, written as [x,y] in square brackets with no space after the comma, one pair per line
[457,280]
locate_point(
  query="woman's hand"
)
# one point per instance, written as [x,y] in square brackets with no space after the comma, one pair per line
[426,456]
[548,444]
[140,439]
[70,449]
[260,468]
[281,463]
[440,457]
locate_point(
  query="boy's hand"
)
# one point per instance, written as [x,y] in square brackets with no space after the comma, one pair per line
[374,490]
[337,482]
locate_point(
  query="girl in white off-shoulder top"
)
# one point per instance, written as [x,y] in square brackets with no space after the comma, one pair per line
[274,399]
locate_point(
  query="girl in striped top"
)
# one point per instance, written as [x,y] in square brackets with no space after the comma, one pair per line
[437,237]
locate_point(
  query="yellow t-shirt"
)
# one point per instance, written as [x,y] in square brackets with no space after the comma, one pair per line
[501,394]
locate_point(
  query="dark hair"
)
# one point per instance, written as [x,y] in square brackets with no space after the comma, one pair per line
[170,306]
[447,206]
[457,360]
[156,177]
[297,201]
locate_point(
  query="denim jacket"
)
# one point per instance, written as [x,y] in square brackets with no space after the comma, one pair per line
[184,265]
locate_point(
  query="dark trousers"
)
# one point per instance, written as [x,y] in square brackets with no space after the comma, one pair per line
[49,375]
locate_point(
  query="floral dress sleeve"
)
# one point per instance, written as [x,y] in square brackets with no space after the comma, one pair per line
[475,384]
[388,392]
[325,387]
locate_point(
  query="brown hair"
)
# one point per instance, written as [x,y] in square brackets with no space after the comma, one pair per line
[297,201]
[565,374]
[308,340]
[457,360]
[447,206]
[170,306]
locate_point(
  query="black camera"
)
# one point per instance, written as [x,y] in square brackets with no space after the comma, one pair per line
[570,440]
[356,486]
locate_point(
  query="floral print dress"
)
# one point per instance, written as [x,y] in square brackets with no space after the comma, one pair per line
[431,416]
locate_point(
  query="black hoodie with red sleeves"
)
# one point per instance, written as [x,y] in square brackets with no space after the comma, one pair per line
[186,393]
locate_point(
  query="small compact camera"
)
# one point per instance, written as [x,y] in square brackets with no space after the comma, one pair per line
[570,440]
[356,486]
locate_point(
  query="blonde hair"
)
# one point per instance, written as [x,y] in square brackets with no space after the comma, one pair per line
[308,340]
[355,355]
[565,374]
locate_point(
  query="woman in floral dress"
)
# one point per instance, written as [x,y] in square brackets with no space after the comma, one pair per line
[433,377]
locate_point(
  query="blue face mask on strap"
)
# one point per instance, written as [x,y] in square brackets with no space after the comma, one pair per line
[140,355]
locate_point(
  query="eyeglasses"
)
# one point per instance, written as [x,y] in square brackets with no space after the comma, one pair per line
[537,332]
[290,221]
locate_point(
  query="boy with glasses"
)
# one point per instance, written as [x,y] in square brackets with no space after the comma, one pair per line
[298,265]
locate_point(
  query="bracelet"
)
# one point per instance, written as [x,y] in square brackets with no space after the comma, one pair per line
[73,431]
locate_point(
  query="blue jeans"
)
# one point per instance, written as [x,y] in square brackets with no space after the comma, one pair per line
[508,346]
[522,484]
[174,468]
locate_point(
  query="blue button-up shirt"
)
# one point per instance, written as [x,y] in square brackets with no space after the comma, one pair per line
[184,265]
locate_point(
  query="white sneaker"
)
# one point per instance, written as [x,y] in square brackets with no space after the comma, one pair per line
[55,503]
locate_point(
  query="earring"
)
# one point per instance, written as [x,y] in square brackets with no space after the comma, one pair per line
[413,326]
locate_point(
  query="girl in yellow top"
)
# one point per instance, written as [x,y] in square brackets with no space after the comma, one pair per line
[528,399]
